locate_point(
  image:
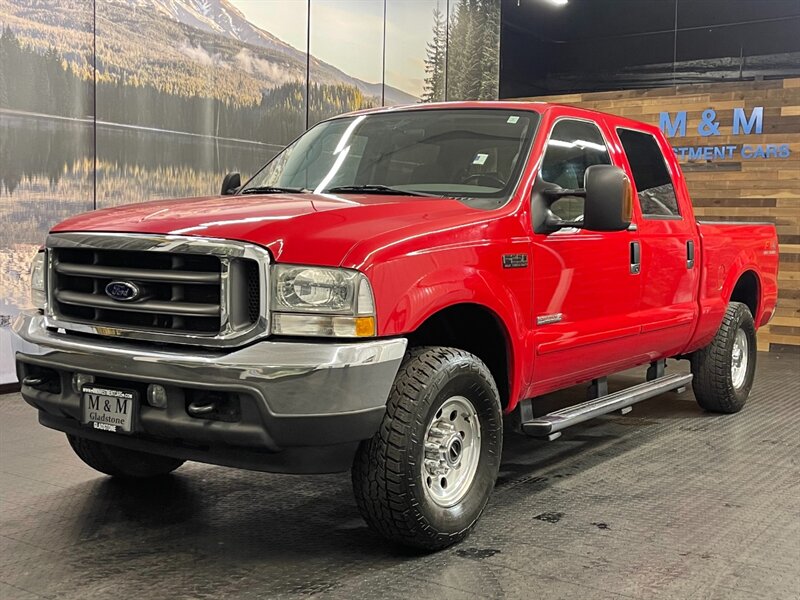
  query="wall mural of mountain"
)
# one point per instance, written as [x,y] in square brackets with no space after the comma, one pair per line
[187,90]
[183,48]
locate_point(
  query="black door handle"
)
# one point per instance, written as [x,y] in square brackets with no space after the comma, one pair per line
[690,254]
[636,258]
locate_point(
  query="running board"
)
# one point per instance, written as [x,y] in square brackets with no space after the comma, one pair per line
[551,424]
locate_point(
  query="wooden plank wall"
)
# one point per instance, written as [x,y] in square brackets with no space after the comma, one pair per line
[735,189]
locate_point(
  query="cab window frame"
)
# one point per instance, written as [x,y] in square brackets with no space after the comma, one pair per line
[578,119]
[644,215]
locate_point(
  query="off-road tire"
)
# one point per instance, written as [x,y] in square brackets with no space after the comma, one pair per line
[713,383]
[121,462]
[387,471]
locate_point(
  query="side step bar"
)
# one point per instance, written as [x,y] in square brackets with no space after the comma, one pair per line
[552,423]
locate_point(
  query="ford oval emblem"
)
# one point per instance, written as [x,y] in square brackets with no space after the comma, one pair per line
[124,291]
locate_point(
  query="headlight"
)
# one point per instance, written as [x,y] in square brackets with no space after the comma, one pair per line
[38,284]
[317,301]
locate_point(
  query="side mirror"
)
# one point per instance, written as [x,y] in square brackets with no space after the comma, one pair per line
[231,183]
[608,205]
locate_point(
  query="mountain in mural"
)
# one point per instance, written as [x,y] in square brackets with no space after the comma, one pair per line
[201,48]
[221,17]
[217,16]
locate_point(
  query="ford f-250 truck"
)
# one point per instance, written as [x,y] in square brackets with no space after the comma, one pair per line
[382,293]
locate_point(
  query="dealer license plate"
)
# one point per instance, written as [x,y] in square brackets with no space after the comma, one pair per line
[108,409]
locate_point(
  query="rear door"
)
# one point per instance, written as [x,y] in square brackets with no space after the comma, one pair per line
[670,245]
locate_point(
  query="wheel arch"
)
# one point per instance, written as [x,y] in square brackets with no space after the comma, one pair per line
[747,290]
[486,336]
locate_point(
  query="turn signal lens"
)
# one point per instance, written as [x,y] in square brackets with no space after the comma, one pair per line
[365,326]
[38,286]
[627,201]
[322,325]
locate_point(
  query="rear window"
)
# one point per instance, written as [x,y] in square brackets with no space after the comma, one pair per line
[650,175]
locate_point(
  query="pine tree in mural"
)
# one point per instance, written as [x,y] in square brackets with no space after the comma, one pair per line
[460,65]
[435,60]
[3,84]
[472,51]
[490,52]
[9,51]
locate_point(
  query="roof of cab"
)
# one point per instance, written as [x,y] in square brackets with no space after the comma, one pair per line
[535,106]
[497,104]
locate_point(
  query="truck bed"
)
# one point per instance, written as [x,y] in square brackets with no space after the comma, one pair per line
[729,249]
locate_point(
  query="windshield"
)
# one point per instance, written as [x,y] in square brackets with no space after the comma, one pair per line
[474,154]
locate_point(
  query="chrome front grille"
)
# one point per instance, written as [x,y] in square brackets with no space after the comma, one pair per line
[185,290]
[179,292]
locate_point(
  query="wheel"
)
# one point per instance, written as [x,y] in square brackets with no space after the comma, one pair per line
[724,370]
[424,479]
[121,462]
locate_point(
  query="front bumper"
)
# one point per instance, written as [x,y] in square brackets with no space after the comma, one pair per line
[301,407]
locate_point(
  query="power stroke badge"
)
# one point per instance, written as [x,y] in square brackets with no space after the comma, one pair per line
[515,261]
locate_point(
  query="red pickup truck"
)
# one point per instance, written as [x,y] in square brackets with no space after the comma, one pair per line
[382,293]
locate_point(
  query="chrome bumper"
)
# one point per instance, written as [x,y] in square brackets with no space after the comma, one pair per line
[307,394]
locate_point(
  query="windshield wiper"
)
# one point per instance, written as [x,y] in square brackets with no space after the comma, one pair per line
[374,189]
[271,189]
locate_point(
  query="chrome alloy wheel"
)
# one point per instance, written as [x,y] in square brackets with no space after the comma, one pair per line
[452,451]
[739,357]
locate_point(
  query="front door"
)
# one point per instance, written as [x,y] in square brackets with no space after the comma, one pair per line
[586,292]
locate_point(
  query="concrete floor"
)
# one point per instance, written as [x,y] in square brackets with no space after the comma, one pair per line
[666,502]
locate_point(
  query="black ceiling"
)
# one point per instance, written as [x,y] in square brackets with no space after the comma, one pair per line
[615,44]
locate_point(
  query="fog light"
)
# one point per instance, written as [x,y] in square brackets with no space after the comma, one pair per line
[157,395]
[81,379]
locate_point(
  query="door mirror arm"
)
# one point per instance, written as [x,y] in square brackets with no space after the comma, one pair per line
[543,196]
[552,222]
[555,193]
[607,202]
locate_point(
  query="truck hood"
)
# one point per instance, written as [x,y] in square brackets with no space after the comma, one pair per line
[298,228]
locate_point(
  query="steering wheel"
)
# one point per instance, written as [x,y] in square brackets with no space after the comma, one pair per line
[484,179]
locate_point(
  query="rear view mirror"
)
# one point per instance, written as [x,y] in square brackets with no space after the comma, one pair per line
[608,205]
[231,184]
[605,204]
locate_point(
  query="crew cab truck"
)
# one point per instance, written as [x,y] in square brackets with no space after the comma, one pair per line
[382,293]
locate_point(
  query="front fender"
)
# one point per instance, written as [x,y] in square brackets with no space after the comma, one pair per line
[447,287]
[405,301]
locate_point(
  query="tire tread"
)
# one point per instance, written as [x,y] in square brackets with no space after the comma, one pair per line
[711,366]
[378,477]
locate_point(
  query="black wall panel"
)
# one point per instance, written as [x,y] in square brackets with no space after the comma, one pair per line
[595,45]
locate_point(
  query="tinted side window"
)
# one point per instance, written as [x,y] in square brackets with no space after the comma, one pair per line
[574,146]
[653,183]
